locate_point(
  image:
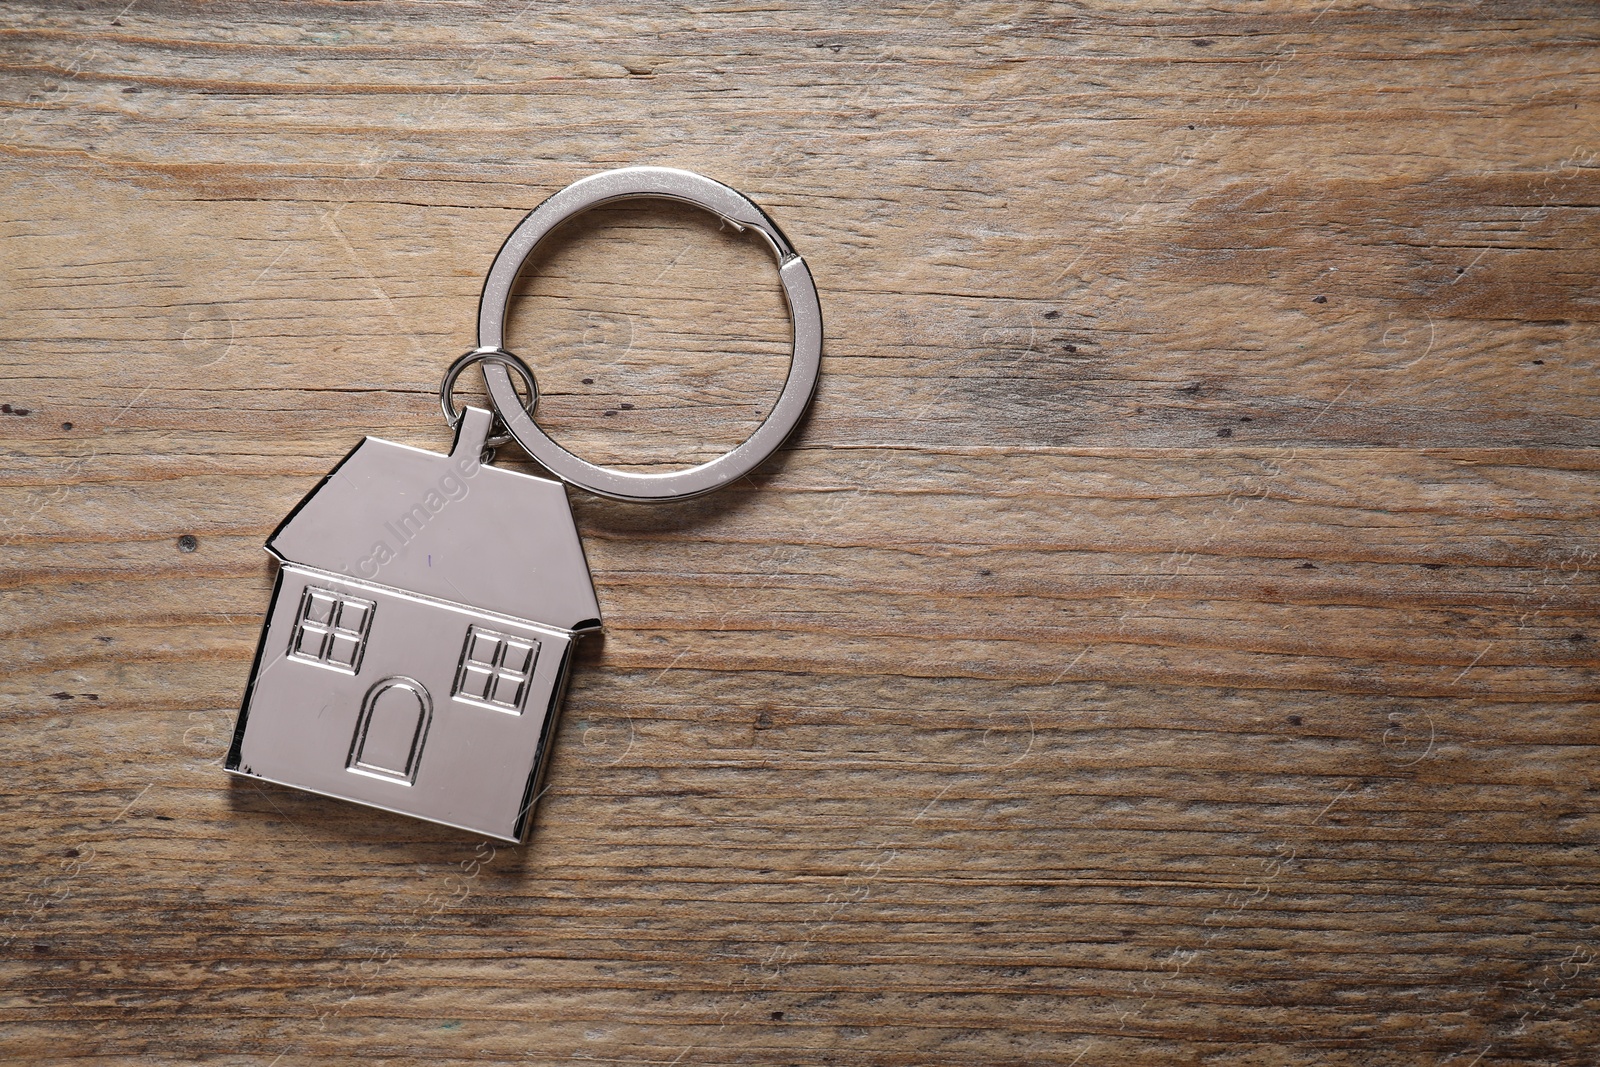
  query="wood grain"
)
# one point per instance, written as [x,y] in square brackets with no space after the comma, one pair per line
[1170,640]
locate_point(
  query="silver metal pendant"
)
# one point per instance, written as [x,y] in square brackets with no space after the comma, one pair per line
[422,626]
[419,635]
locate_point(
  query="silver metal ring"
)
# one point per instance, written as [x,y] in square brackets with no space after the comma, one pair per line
[732,207]
[490,357]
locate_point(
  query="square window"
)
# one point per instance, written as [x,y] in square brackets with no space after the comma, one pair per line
[518,657]
[353,616]
[331,629]
[475,681]
[319,606]
[308,642]
[508,690]
[483,647]
[495,669]
[344,650]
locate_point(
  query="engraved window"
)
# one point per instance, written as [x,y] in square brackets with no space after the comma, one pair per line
[331,629]
[495,669]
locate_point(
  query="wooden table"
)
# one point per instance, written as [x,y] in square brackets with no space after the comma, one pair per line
[1171,640]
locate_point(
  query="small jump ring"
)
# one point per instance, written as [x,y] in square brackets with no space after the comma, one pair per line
[447,387]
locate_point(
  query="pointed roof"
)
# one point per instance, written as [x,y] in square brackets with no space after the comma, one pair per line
[446,526]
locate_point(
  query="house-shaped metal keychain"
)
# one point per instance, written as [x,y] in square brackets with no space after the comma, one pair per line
[419,635]
[426,607]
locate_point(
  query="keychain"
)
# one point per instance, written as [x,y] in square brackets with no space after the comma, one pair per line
[422,625]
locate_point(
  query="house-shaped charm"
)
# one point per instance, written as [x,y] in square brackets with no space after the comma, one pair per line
[419,636]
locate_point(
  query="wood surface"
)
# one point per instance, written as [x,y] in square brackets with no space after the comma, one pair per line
[1170,640]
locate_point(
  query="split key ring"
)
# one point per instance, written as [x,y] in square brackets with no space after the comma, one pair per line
[630,183]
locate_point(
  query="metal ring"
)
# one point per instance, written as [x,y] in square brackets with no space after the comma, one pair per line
[496,357]
[629,183]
